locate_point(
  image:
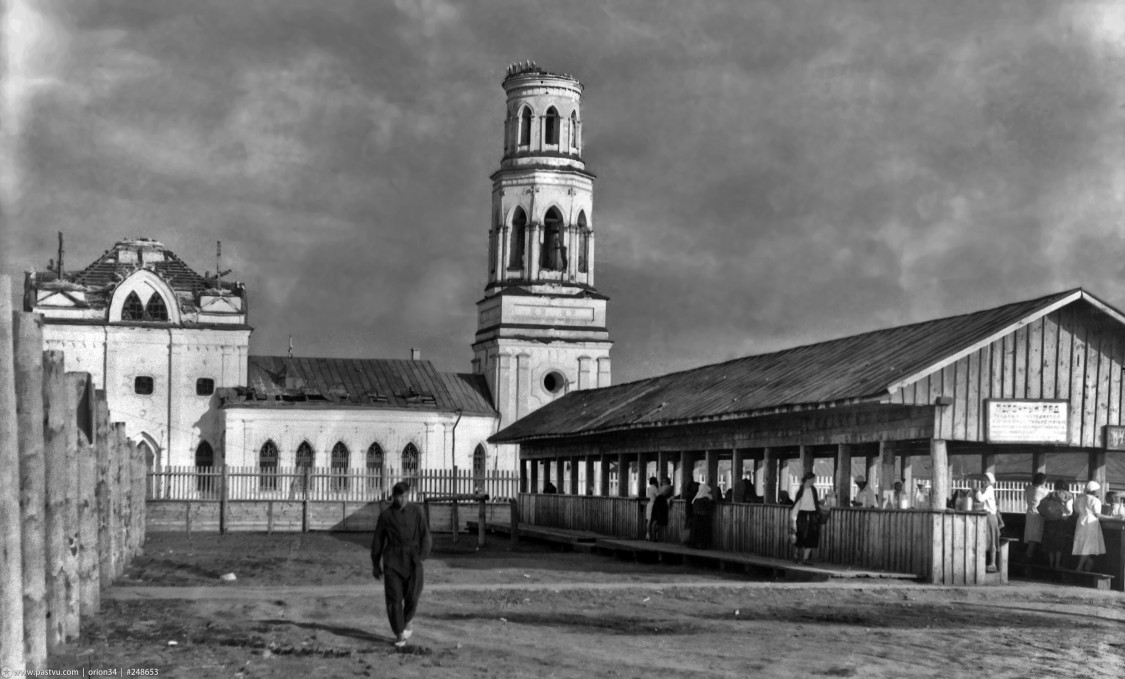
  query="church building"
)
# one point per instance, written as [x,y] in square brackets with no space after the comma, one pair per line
[171,346]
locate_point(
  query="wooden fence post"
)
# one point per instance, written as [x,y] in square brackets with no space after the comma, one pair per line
[307,472]
[11,537]
[54,446]
[223,492]
[482,514]
[515,521]
[86,469]
[101,490]
[72,622]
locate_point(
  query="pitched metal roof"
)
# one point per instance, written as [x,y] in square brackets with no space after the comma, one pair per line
[847,370]
[107,269]
[368,382]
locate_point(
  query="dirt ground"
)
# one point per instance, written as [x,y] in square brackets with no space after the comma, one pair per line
[306,605]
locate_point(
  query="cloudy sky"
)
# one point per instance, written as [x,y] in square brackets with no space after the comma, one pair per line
[769,173]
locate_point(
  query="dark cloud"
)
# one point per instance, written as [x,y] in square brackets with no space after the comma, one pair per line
[770,173]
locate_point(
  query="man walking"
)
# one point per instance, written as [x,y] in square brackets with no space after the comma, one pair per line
[402,541]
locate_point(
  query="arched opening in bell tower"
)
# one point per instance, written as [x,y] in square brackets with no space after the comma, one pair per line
[519,236]
[525,126]
[554,252]
[551,127]
[583,243]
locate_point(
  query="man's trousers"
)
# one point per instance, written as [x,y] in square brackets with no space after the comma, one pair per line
[402,593]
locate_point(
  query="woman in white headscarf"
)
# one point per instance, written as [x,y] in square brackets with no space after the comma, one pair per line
[1088,539]
[804,519]
[987,498]
[701,517]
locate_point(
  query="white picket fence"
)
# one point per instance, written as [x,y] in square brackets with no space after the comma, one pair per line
[321,483]
[1009,494]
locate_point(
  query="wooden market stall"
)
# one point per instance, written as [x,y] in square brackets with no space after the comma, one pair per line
[1039,378]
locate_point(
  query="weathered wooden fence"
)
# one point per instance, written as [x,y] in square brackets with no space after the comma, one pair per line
[292,499]
[71,494]
[939,547]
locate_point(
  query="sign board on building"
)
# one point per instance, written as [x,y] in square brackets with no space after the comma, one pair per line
[1026,421]
[1114,437]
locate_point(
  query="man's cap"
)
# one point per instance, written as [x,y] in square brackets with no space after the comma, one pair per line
[400,488]
[861,479]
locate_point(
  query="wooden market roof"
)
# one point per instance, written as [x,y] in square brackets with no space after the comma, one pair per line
[861,368]
[280,381]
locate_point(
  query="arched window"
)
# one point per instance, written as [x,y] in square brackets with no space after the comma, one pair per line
[480,465]
[551,127]
[339,466]
[133,310]
[267,466]
[156,310]
[150,465]
[583,243]
[574,130]
[553,256]
[519,235]
[304,461]
[409,460]
[525,127]
[205,463]
[375,460]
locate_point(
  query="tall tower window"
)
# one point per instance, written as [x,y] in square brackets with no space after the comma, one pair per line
[519,236]
[267,463]
[410,459]
[554,252]
[205,461]
[551,127]
[574,130]
[525,126]
[583,243]
[480,465]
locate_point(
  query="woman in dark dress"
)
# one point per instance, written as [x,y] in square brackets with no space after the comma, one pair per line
[701,517]
[1058,534]
[804,518]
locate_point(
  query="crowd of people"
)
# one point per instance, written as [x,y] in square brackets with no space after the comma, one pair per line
[1060,523]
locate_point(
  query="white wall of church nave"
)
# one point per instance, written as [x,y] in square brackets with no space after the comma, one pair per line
[247,429]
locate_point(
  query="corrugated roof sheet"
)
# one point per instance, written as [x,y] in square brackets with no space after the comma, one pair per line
[368,382]
[106,270]
[849,369]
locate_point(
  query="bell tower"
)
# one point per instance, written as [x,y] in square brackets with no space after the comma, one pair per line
[541,326]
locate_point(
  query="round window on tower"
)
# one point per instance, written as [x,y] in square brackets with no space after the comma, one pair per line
[554,382]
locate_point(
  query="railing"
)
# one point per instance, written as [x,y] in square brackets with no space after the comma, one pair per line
[940,547]
[319,483]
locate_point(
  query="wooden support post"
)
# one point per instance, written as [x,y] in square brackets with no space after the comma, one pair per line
[560,475]
[224,497]
[535,487]
[843,475]
[662,459]
[769,479]
[1095,463]
[54,448]
[523,476]
[737,462]
[101,489]
[73,382]
[873,464]
[908,479]
[887,475]
[1038,462]
[939,492]
[603,475]
[514,521]
[482,515]
[805,455]
[642,475]
[547,473]
[988,463]
[712,457]
[11,535]
[686,464]
[622,475]
[454,519]
[572,486]
[589,489]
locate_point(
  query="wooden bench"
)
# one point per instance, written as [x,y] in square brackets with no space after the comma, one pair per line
[1066,575]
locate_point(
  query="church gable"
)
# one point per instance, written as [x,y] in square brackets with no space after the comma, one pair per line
[1072,351]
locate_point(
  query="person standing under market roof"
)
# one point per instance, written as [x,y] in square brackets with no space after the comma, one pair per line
[402,542]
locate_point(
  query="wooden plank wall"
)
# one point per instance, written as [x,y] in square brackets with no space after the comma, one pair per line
[1073,353]
[939,547]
